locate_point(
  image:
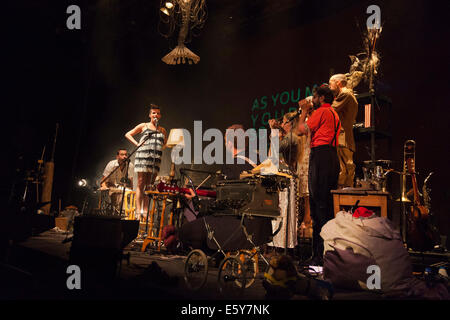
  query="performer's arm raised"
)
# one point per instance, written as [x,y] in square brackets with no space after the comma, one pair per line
[305,105]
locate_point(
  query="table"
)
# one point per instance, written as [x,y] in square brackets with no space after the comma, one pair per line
[367,198]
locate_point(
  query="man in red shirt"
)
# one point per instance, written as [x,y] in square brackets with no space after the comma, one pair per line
[323,126]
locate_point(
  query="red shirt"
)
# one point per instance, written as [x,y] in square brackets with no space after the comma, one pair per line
[323,126]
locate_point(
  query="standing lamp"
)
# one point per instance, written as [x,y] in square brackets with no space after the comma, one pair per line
[176,139]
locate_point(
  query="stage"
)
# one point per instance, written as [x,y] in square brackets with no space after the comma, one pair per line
[110,100]
[37,269]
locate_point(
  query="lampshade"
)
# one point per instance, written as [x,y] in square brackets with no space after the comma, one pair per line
[176,137]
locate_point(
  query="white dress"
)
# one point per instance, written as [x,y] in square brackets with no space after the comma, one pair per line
[279,240]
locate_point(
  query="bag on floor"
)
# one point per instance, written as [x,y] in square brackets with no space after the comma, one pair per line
[361,245]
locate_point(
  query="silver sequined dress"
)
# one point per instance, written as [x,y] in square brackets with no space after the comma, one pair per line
[149,154]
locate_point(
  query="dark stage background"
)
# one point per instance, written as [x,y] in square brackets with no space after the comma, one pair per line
[97,82]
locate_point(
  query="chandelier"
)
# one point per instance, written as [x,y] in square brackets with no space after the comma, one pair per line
[189,17]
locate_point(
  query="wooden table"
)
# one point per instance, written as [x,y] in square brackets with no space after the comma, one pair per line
[367,198]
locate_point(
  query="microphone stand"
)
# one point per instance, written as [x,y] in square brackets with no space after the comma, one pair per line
[288,196]
[126,181]
[153,172]
[154,151]
[289,188]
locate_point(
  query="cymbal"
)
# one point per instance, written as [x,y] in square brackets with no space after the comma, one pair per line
[378,161]
[385,161]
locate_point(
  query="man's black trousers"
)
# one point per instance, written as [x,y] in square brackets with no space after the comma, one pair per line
[322,177]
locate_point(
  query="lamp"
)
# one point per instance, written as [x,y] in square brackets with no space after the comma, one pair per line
[176,139]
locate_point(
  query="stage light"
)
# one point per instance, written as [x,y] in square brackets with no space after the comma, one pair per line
[169,5]
[165,11]
[82,183]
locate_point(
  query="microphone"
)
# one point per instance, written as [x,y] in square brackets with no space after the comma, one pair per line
[155,119]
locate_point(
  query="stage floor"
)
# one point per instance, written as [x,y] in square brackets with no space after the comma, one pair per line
[37,269]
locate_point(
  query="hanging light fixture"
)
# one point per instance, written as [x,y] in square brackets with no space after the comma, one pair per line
[167,8]
[190,17]
[165,11]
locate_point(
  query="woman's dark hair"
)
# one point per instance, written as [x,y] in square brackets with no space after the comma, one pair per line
[325,91]
[238,135]
[154,106]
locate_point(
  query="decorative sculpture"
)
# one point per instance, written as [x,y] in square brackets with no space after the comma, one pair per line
[365,64]
[190,17]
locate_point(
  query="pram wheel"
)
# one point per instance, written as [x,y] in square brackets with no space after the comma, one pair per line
[249,259]
[196,269]
[232,276]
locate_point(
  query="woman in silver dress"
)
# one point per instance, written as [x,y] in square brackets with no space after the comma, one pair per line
[289,149]
[148,157]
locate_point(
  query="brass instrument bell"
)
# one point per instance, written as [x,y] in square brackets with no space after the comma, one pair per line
[409,152]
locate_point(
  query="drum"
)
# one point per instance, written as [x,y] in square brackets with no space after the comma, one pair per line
[375,174]
[110,201]
[163,179]
[104,201]
[378,172]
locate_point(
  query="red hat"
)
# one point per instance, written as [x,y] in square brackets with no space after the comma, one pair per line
[362,212]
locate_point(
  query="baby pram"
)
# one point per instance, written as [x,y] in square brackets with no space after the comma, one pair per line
[240,224]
